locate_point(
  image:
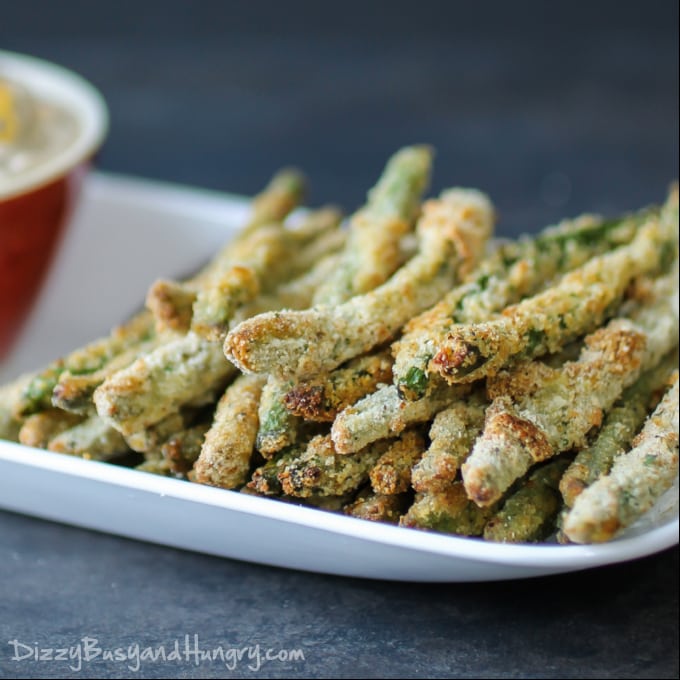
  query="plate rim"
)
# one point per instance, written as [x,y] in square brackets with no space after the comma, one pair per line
[539,555]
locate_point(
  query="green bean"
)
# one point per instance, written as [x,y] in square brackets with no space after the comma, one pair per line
[392,472]
[545,323]
[322,398]
[452,435]
[229,443]
[559,415]
[452,234]
[321,470]
[93,439]
[37,394]
[635,482]
[384,414]
[378,507]
[183,448]
[185,371]
[373,250]
[529,514]
[620,426]
[38,429]
[448,510]
[513,271]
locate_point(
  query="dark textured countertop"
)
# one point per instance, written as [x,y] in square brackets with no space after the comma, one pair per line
[551,111]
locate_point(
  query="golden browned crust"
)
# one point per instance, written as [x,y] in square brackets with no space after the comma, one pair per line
[527,435]
[392,472]
[377,507]
[514,270]
[387,281]
[373,250]
[171,304]
[559,414]
[529,514]
[321,399]
[523,380]
[320,470]
[278,426]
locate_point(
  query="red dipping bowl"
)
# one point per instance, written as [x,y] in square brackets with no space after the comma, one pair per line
[39,186]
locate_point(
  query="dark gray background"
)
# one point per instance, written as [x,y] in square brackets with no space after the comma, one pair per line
[551,110]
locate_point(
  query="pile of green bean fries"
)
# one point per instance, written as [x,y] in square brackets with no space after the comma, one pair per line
[396,365]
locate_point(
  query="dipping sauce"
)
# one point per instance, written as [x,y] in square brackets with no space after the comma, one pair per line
[32,130]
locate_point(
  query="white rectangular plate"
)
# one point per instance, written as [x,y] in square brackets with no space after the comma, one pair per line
[127,233]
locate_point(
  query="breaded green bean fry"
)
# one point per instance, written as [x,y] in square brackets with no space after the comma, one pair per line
[452,435]
[265,479]
[371,255]
[37,395]
[227,451]
[278,199]
[294,294]
[392,472]
[529,514]
[448,510]
[378,507]
[373,250]
[257,263]
[93,439]
[278,426]
[384,414]
[171,302]
[559,415]
[637,479]
[188,371]
[321,399]
[513,271]
[74,391]
[183,448]
[618,430]
[545,323]
[321,470]
[452,234]
[524,378]
[38,429]
[281,196]
[150,439]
